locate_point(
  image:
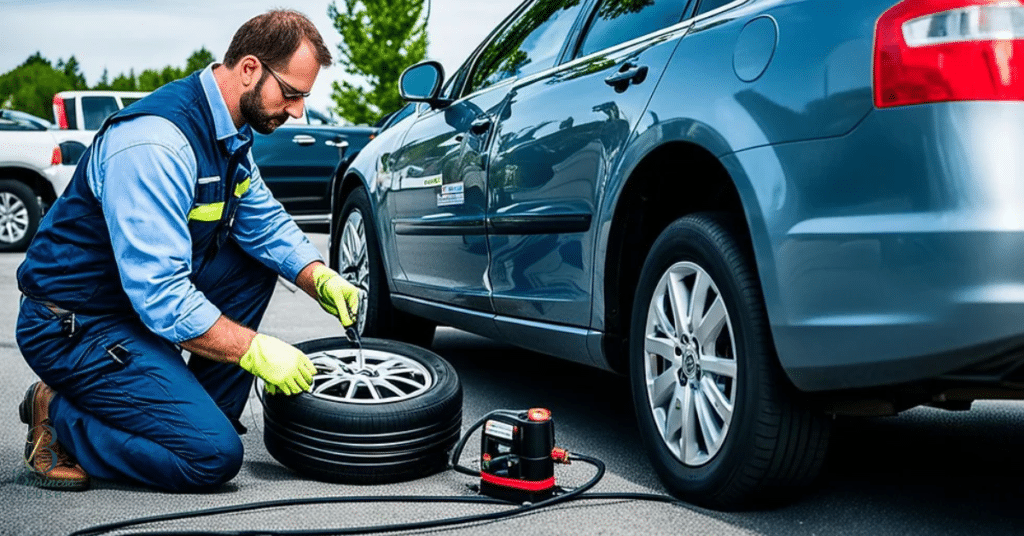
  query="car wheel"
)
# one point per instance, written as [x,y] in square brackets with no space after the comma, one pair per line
[19,215]
[720,422]
[356,256]
[395,416]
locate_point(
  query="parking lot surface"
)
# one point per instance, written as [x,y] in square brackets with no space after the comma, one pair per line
[925,472]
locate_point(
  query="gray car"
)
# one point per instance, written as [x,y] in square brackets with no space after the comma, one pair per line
[766,213]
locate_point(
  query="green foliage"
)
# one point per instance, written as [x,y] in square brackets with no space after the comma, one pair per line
[199,60]
[30,86]
[379,39]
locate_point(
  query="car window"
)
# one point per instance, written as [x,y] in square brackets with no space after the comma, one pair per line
[530,43]
[8,122]
[95,111]
[708,5]
[618,21]
[128,100]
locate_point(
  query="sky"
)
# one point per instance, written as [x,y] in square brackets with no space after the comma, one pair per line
[150,34]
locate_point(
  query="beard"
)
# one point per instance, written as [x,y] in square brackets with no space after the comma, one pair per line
[254,113]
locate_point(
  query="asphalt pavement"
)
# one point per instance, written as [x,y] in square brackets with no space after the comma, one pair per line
[928,471]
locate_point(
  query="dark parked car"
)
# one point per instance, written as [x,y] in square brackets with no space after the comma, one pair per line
[765,213]
[298,162]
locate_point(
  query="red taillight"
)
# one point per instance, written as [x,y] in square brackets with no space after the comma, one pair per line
[56,158]
[59,113]
[949,50]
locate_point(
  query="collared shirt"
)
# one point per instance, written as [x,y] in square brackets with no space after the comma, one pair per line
[144,175]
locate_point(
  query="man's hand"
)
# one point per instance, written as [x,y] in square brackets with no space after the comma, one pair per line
[284,367]
[336,295]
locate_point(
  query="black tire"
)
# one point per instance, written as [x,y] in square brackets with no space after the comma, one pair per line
[378,317]
[773,446]
[19,215]
[367,443]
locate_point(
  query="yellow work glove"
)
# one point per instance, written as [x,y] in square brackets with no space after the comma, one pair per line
[284,367]
[336,295]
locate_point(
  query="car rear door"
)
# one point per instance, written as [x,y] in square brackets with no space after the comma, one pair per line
[297,163]
[562,135]
[439,190]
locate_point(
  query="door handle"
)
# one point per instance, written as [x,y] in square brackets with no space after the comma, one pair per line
[304,139]
[629,73]
[479,126]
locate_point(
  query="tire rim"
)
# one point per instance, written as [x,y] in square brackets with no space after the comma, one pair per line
[13,218]
[384,377]
[353,262]
[690,363]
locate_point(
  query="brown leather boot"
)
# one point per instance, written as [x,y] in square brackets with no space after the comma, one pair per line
[50,465]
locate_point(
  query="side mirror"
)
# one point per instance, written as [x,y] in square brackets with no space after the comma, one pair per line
[422,83]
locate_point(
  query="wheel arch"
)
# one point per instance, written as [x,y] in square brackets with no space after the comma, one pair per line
[646,204]
[32,179]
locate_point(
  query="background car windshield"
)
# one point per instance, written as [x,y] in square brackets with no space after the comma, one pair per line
[531,43]
[618,21]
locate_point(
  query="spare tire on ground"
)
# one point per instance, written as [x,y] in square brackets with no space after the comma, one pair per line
[393,416]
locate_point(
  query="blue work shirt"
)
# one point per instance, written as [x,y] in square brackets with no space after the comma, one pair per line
[144,174]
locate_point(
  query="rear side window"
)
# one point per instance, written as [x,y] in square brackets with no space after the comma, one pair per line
[95,111]
[618,21]
[709,5]
[128,100]
[531,43]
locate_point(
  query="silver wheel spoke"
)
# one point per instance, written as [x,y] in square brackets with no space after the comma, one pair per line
[708,426]
[661,347]
[689,450]
[698,297]
[674,418]
[677,299]
[711,324]
[662,387]
[716,399]
[718,366]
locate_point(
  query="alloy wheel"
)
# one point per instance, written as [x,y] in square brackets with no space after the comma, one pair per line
[14,218]
[690,363]
[367,376]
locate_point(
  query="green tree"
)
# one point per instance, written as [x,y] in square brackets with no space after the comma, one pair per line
[30,86]
[199,60]
[379,39]
[125,82]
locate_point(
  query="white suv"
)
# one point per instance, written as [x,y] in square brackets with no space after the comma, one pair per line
[36,164]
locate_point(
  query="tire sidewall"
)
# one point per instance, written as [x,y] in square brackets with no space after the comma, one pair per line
[691,239]
[31,202]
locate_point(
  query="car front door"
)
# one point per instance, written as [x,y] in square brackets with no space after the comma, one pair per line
[439,185]
[562,135]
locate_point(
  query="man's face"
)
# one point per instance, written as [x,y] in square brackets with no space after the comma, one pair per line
[269,104]
[256,114]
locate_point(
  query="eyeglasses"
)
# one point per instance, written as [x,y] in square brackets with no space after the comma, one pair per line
[287,91]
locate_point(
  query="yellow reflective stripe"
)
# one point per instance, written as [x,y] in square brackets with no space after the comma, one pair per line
[210,212]
[242,187]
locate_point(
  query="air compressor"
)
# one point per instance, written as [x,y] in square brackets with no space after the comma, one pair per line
[518,455]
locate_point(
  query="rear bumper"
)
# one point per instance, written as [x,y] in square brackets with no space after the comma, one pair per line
[895,254]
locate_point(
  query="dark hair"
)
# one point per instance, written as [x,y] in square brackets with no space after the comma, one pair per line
[273,37]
